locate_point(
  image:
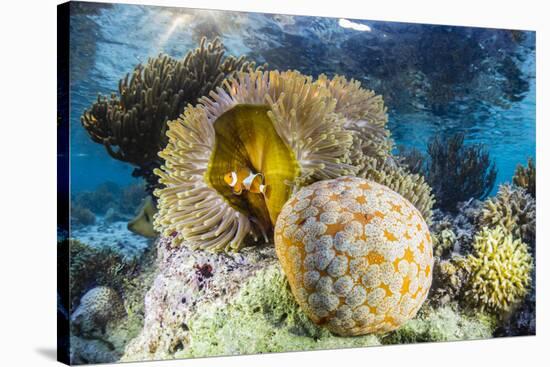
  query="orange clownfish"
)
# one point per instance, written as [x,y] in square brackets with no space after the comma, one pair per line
[245,179]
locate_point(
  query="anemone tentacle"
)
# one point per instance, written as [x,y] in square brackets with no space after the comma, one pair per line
[319,130]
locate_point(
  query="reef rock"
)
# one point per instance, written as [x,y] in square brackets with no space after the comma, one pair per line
[205,304]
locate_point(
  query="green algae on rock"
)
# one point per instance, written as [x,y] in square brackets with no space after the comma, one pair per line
[445,323]
[262,318]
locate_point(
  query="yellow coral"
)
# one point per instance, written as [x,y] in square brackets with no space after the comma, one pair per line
[281,124]
[358,256]
[500,271]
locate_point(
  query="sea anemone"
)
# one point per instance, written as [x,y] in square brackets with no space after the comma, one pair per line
[281,125]
[412,186]
[499,271]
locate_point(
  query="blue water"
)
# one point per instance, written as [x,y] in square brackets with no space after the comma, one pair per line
[434,79]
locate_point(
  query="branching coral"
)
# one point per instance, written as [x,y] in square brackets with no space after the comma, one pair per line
[526,177]
[283,125]
[514,210]
[500,271]
[132,124]
[457,172]
[412,187]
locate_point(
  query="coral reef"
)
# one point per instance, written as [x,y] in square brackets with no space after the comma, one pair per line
[446,323]
[514,210]
[457,172]
[90,267]
[101,327]
[283,125]
[411,186]
[104,197]
[526,177]
[358,256]
[132,124]
[500,271]
[463,224]
[105,319]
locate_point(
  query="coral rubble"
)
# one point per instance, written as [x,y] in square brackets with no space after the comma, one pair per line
[358,255]
[132,124]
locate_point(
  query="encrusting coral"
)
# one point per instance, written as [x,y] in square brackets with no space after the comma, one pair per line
[132,124]
[514,210]
[526,177]
[358,256]
[499,271]
[280,126]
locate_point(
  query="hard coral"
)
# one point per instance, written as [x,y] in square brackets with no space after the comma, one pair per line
[132,124]
[514,210]
[283,125]
[526,177]
[457,172]
[98,307]
[358,255]
[500,271]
